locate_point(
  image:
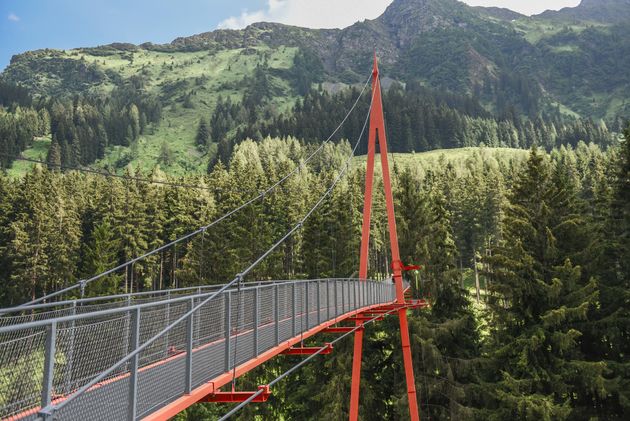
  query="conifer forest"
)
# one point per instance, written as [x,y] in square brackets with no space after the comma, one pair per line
[509,155]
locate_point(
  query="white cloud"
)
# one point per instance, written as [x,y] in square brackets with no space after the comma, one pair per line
[343,13]
[13,17]
[309,13]
[529,7]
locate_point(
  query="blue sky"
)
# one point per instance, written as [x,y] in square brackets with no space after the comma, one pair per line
[32,24]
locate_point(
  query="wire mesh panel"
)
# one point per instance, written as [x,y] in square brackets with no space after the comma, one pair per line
[86,349]
[285,313]
[267,318]
[242,341]
[21,373]
[208,358]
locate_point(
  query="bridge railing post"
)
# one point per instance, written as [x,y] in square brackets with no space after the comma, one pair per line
[336,297]
[350,295]
[228,327]
[256,318]
[360,287]
[189,346]
[49,364]
[319,308]
[168,322]
[133,369]
[328,299]
[276,308]
[371,292]
[305,304]
[343,297]
[70,356]
[293,307]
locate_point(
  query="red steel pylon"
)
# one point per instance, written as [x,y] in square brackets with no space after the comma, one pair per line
[377,128]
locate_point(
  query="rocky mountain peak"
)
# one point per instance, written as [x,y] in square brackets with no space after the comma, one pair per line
[405,19]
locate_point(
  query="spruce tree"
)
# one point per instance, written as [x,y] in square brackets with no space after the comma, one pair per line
[203,133]
[607,337]
[101,254]
[539,301]
[54,156]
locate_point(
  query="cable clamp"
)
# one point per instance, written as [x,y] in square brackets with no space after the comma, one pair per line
[82,284]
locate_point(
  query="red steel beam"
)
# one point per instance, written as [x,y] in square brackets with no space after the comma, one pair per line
[366,317]
[236,397]
[341,329]
[309,350]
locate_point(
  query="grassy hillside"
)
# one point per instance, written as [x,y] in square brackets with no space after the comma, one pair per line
[420,162]
[458,158]
[38,151]
[205,77]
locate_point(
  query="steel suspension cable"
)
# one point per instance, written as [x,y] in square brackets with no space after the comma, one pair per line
[51,408]
[81,284]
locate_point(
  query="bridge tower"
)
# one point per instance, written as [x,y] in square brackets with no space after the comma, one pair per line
[377,131]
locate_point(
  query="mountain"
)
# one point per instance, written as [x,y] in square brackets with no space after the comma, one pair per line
[604,11]
[499,13]
[574,61]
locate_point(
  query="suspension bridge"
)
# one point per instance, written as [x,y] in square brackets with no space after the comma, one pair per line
[150,355]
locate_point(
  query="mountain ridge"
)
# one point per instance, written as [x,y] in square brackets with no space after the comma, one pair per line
[607,11]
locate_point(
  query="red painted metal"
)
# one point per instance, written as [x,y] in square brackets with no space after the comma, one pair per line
[365,318]
[309,350]
[236,397]
[341,329]
[377,128]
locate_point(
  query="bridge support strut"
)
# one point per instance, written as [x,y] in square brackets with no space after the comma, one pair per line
[236,397]
[377,129]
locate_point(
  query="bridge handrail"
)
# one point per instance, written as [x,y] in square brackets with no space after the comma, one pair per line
[123,297]
[127,309]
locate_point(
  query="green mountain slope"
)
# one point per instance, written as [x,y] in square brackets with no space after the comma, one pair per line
[572,61]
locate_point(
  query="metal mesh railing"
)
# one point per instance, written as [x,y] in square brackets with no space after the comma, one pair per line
[46,361]
[56,309]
